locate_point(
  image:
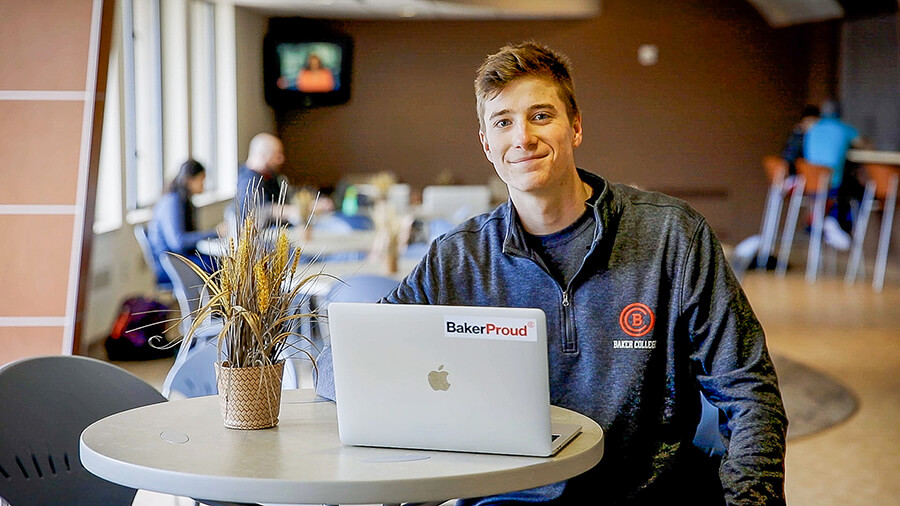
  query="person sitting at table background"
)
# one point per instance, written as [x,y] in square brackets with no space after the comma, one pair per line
[643,311]
[826,143]
[173,227]
[260,177]
[793,148]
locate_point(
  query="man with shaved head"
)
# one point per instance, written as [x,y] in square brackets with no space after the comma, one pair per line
[260,172]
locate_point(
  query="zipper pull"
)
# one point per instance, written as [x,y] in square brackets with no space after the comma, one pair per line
[565,299]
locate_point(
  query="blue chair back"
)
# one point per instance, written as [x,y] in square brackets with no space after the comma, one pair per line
[162,279]
[187,286]
[361,288]
[194,374]
[708,437]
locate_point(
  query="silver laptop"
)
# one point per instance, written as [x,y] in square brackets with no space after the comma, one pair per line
[457,378]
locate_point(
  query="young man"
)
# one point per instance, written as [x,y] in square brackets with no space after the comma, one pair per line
[643,311]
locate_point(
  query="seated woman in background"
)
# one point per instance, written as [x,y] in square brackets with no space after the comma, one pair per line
[172,227]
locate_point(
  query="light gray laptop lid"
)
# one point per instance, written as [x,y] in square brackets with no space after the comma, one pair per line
[443,377]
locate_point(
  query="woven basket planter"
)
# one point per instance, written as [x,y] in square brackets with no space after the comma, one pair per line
[250,397]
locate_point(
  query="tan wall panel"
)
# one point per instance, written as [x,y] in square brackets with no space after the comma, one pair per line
[34,264]
[44,44]
[40,142]
[21,342]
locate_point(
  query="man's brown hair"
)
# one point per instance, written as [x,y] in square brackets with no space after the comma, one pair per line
[528,59]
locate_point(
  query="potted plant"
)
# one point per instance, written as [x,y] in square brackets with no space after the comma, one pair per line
[255,291]
[391,229]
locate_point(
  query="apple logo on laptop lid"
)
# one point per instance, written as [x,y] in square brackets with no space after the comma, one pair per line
[438,379]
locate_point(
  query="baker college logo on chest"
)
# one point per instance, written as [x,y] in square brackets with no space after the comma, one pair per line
[636,320]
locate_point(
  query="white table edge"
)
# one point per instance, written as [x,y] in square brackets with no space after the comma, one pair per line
[240,489]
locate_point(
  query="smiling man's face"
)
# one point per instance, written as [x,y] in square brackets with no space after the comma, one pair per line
[529,137]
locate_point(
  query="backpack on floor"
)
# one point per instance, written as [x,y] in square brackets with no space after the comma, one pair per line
[138,321]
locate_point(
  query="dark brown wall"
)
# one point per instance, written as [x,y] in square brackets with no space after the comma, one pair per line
[726,91]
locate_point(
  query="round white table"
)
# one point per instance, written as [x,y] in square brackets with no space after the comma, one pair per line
[182,448]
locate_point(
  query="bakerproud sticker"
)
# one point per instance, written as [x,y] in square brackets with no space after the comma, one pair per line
[480,327]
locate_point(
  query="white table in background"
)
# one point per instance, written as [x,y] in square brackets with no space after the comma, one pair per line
[874,156]
[321,243]
[182,448]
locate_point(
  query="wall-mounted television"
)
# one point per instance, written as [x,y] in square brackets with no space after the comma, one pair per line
[306,71]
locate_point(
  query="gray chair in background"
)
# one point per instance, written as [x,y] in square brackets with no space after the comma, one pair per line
[195,374]
[162,283]
[189,377]
[187,286]
[47,402]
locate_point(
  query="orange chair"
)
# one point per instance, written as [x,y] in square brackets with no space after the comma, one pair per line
[881,186]
[776,169]
[812,182]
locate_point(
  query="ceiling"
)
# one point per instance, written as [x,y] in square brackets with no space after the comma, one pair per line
[427,9]
[778,13]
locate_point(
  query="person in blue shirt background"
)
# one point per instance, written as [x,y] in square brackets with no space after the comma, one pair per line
[826,143]
[173,227]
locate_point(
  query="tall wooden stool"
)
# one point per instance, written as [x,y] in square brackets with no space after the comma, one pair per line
[881,187]
[812,184]
[776,169]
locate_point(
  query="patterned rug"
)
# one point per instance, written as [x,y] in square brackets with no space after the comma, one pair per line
[813,400]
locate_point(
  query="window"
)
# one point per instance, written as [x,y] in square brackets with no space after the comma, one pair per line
[108,205]
[203,90]
[143,103]
[148,81]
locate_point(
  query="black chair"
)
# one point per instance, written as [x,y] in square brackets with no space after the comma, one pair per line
[47,402]
[163,283]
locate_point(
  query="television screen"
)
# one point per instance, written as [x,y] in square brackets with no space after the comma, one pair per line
[307,73]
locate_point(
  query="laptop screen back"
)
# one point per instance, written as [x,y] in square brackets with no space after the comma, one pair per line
[441,377]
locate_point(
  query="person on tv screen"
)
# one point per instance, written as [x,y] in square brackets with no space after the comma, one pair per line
[315,77]
[644,313]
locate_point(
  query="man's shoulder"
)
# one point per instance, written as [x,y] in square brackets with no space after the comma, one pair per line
[637,204]
[244,172]
[493,222]
[639,196]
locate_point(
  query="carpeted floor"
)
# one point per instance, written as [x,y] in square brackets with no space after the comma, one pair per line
[813,400]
